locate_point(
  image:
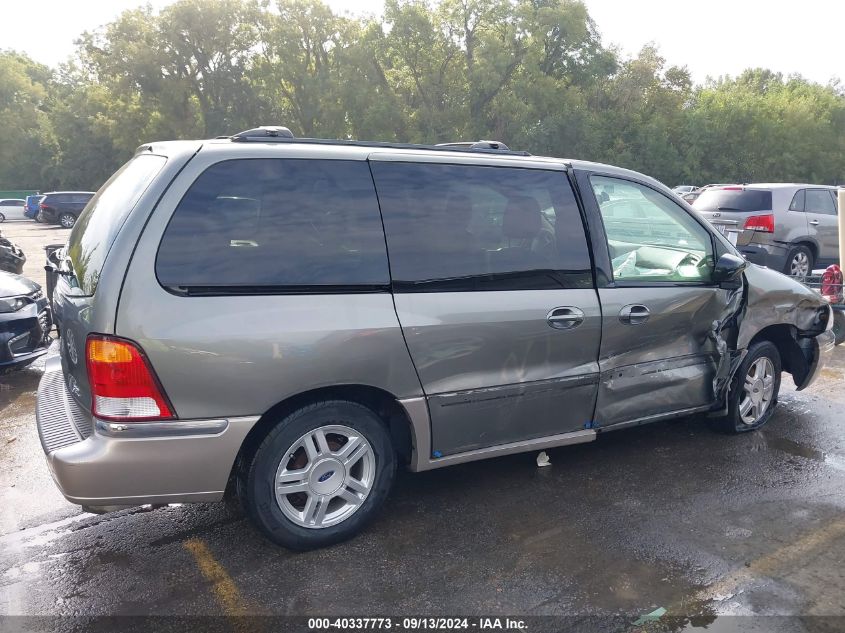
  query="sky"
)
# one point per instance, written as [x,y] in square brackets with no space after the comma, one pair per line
[712,38]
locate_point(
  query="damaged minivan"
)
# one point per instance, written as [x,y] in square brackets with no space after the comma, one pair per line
[289,320]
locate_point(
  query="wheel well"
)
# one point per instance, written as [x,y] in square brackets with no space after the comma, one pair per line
[382,403]
[783,337]
[814,249]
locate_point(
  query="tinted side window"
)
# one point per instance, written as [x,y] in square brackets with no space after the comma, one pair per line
[820,201]
[276,222]
[797,203]
[456,227]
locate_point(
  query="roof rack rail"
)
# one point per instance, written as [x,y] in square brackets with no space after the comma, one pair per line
[278,134]
[495,145]
[263,133]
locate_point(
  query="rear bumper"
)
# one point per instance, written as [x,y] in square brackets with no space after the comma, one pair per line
[97,463]
[769,255]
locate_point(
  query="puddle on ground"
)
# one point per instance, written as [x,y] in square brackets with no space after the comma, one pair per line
[802,450]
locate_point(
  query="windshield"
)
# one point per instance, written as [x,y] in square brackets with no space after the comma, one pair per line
[734,200]
[99,223]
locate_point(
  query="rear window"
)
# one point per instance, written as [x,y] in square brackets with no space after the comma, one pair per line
[286,224]
[734,200]
[100,221]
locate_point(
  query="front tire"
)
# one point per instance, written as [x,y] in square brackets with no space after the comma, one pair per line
[320,475]
[754,390]
[2,218]
[67,220]
[799,262]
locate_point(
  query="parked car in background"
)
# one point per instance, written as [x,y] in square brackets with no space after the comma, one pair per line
[32,206]
[12,209]
[63,207]
[792,228]
[692,196]
[12,257]
[25,322]
[682,189]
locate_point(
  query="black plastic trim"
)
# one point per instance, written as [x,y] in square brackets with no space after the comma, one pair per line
[511,281]
[237,290]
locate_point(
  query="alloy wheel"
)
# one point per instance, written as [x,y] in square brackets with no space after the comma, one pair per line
[800,265]
[758,390]
[67,221]
[325,476]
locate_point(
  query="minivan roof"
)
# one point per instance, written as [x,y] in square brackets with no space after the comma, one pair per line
[360,150]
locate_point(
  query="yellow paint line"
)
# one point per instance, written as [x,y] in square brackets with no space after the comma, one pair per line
[778,561]
[225,590]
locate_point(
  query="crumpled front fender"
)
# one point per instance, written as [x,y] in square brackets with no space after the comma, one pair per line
[773,299]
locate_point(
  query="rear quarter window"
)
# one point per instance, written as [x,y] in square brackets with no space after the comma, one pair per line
[295,225]
[101,220]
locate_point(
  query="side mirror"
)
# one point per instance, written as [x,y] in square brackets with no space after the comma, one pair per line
[727,267]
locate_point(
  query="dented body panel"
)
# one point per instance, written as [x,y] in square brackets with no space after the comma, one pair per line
[775,299]
[797,316]
[665,364]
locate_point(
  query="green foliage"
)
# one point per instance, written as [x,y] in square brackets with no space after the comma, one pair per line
[533,73]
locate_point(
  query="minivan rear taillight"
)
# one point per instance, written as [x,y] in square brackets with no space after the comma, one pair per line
[762,223]
[123,384]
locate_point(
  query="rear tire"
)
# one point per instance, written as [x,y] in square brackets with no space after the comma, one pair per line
[2,218]
[321,474]
[799,262]
[754,390]
[67,220]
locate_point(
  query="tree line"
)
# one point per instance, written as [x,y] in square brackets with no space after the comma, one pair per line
[531,73]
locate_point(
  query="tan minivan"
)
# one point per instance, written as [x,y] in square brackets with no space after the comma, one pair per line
[289,319]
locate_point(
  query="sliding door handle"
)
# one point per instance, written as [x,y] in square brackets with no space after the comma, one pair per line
[565,317]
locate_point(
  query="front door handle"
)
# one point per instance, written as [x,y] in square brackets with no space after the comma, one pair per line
[634,314]
[565,317]
[814,222]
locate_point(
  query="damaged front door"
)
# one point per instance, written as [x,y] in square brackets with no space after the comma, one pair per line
[658,353]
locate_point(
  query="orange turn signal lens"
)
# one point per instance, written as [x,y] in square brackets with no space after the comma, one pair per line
[106,351]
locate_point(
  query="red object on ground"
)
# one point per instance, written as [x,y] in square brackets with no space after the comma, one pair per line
[832,284]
